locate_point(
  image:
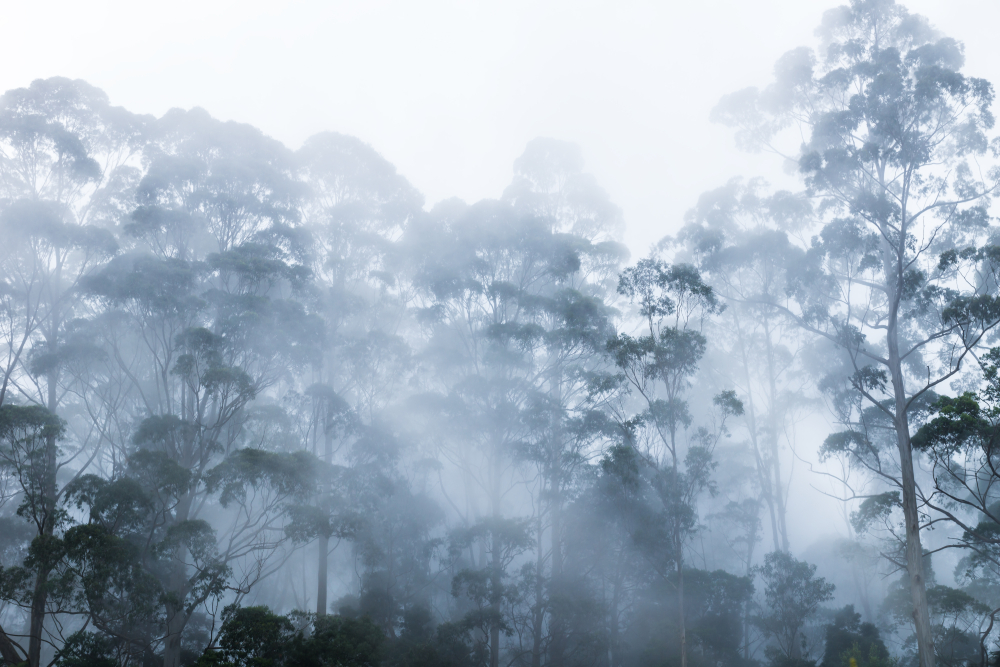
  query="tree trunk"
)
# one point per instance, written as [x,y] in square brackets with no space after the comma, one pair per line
[680,608]
[764,471]
[679,551]
[746,632]
[324,540]
[40,594]
[8,652]
[495,644]
[539,610]
[893,268]
[613,657]
[911,515]
[177,593]
[176,620]
[321,574]
[38,600]
[751,543]
[496,574]
[496,583]
[772,419]
[558,629]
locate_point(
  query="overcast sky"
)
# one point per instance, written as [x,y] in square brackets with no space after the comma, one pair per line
[450,92]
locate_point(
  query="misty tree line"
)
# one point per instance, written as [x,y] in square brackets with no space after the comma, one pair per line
[263,407]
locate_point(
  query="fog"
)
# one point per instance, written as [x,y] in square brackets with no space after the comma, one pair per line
[450,92]
[564,347]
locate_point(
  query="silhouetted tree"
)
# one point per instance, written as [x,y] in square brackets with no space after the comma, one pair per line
[792,593]
[656,369]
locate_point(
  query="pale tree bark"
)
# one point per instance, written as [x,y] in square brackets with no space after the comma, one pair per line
[911,515]
[768,471]
[774,428]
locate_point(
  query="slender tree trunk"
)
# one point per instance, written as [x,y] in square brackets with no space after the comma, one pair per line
[496,576]
[613,658]
[764,473]
[911,516]
[679,551]
[8,652]
[893,260]
[861,589]
[323,556]
[795,649]
[496,571]
[772,419]
[680,606]
[539,610]
[557,651]
[177,595]
[40,594]
[321,574]
[38,601]
[746,631]
[751,543]
[495,639]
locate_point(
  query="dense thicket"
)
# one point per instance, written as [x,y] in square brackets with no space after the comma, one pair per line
[264,407]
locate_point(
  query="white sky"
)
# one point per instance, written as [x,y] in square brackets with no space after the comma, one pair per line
[451,92]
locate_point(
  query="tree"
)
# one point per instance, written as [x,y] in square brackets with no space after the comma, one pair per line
[396,540]
[327,421]
[201,319]
[490,590]
[574,313]
[356,210]
[338,641]
[258,637]
[124,559]
[254,636]
[67,167]
[736,236]
[894,132]
[501,316]
[600,550]
[550,182]
[959,620]
[27,437]
[713,606]
[959,440]
[792,593]
[657,368]
[848,638]
[740,522]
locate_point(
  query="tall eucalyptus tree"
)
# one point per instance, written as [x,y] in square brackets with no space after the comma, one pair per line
[550,183]
[356,209]
[895,137]
[201,315]
[737,234]
[655,370]
[68,164]
[509,317]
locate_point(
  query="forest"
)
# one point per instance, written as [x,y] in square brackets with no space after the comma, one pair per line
[264,407]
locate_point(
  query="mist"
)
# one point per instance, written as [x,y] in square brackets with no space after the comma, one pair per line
[450,334]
